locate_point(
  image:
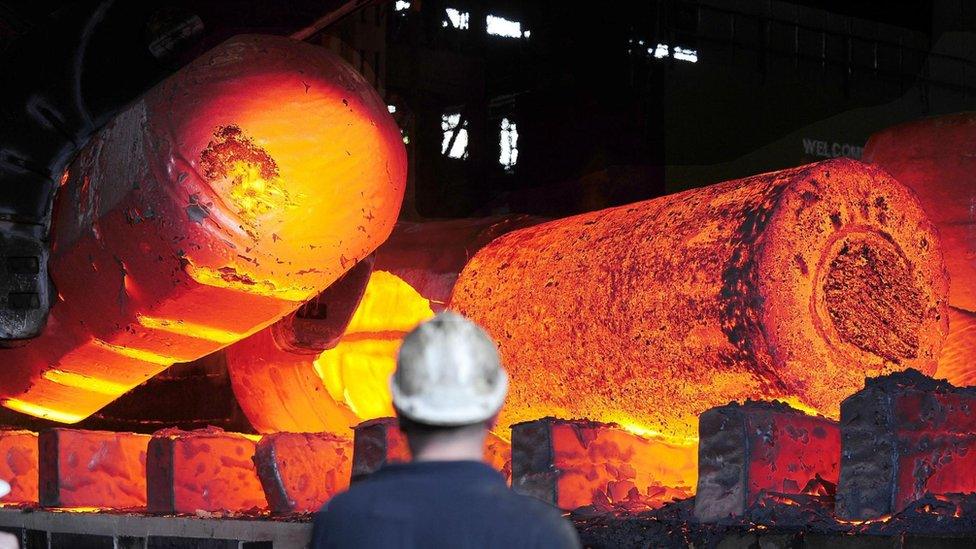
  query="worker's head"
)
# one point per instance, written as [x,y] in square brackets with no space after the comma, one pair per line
[448,387]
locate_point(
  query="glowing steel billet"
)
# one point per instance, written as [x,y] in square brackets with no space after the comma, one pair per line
[792,284]
[574,463]
[202,470]
[301,471]
[935,158]
[85,469]
[760,448]
[18,466]
[233,191]
[904,436]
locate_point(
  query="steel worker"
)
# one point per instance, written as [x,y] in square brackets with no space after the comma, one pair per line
[447,390]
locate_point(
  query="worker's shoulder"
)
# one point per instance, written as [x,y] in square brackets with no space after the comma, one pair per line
[534,510]
[541,517]
[357,495]
[522,504]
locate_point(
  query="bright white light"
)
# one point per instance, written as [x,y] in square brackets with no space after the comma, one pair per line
[681,54]
[449,125]
[509,144]
[499,26]
[685,54]
[401,5]
[391,108]
[526,34]
[458,19]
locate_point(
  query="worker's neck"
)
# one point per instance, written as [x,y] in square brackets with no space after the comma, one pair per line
[461,449]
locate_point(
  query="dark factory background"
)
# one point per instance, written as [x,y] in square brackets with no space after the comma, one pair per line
[560,109]
[554,108]
[548,108]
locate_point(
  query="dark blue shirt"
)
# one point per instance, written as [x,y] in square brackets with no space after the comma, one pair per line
[430,504]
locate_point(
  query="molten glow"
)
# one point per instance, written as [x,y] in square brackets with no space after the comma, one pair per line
[254,194]
[627,423]
[358,374]
[793,284]
[357,371]
[86,383]
[190,329]
[797,404]
[41,411]
[138,354]
[236,189]
[613,464]
[228,277]
[599,464]
[248,170]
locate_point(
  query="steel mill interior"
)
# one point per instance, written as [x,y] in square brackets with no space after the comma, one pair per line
[726,251]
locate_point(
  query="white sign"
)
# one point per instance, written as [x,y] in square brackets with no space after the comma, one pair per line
[826,149]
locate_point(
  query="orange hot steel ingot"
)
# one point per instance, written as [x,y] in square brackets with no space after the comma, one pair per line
[203,470]
[793,284]
[86,469]
[574,463]
[935,158]
[301,471]
[231,193]
[285,387]
[18,465]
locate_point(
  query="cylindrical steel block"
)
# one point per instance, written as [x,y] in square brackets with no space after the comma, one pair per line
[233,192]
[793,284]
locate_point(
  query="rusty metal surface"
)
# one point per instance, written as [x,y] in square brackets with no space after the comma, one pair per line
[792,284]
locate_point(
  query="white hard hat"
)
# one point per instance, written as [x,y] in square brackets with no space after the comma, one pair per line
[448,373]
